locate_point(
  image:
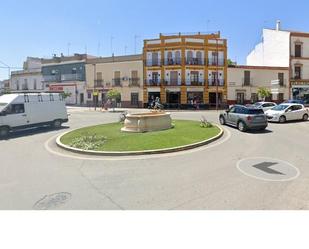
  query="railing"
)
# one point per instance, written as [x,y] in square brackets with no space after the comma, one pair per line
[214,82]
[117,82]
[197,83]
[70,77]
[247,81]
[296,77]
[153,82]
[98,83]
[134,82]
[216,62]
[153,63]
[172,82]
[171,62]
[195,61]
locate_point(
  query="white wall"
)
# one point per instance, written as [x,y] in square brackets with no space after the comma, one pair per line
[30,80]
[274,50]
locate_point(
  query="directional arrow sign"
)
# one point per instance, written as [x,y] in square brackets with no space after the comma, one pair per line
[265,166]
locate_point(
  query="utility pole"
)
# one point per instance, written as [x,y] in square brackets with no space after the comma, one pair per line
[112,50]
[9,71]
[217,76]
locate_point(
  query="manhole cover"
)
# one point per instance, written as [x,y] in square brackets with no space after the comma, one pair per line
[52,201]
[268,169]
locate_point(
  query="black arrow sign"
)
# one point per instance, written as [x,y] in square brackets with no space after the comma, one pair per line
[265,166]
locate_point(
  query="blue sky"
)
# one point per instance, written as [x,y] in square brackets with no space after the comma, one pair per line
[42,28]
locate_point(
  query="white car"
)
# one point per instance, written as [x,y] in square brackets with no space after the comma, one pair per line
[287,112]
[265,105]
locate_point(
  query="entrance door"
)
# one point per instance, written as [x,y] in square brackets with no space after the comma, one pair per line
[213,99]
[240,98]
[81,99]
[134,99]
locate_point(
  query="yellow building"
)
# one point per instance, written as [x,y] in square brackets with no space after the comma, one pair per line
[183,69]
[123,73]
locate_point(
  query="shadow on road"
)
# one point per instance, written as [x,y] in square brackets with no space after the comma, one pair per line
[32,131]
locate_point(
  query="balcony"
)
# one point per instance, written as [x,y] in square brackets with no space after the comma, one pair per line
[152,82]
[296,77]
[214,82]
[172,82]
[153,63]
[247,81]
[215,62]
[117,82]
[172,62]
[195,61]
[98,83]
[134,82]
[196,83]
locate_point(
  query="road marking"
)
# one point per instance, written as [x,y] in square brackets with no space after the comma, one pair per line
[268,169]
[67,154]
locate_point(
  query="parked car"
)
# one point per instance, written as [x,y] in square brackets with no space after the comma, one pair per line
[295,101]
[20,111]
[287,112]
[244,118]
[265,105]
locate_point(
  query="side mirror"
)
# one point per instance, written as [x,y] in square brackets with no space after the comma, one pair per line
[289,110]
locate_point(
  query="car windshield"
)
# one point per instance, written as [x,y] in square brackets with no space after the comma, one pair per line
[280,107]
[255,111]
[257,104]
[2,106]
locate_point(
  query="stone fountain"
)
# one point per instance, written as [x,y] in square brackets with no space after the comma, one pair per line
[147,122]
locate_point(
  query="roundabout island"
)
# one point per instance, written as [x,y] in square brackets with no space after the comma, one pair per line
[140,134]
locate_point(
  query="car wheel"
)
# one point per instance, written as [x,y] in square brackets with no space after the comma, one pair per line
[4,132]
[57,124]
[222,120]
[282,119]
[241,126]
[305,117]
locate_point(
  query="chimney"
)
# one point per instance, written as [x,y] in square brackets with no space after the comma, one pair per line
[278,25]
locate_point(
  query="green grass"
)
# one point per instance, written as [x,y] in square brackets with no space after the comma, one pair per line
[184,133]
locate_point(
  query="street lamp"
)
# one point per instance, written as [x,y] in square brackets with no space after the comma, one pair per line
[95,96]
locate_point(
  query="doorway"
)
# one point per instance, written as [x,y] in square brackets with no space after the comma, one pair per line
[173,97]
[240,98]
[213,99]
[81,99]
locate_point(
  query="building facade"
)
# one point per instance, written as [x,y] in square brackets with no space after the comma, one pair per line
[183,69]
[28,79]
[244,82]
[67,74]
[285,49]
[123,73]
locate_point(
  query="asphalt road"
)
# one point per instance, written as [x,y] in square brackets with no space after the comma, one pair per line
[35,174]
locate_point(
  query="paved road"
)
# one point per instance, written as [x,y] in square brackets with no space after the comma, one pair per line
[33,169]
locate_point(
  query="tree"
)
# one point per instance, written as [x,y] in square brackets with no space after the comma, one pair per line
[115,97]
[231,63]
[65,95]
[264,92]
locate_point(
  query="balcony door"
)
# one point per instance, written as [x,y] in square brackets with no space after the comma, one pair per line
[247,77]
[298,48]
[194,77]
[174,78]
[155,59]
[297,72]
[155,78]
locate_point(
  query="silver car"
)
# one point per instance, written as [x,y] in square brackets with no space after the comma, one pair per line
[244,118]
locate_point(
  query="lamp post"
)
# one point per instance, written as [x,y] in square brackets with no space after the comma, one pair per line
[94,86]
[217,76]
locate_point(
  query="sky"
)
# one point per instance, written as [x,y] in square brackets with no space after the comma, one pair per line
[43,28]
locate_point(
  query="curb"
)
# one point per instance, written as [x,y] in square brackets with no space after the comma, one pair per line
[137,153]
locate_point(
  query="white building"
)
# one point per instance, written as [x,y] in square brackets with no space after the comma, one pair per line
[244,82]
[28,79]
[285,49]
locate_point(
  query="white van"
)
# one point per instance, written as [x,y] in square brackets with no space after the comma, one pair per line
[19,111]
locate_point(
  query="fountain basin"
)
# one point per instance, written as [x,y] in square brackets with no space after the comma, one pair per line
[147,122]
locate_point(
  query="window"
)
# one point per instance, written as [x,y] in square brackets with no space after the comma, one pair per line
[194,77]
[117,80]
[281,97]
[74,70]
[177,57]
[155,78]
[170,58]
[297,72]
[281,79]
[89,95]
[155,59]
[15,109]
[298,48]
[199,58]
[134,99]
[247,78]
[34,84]
[240,98]
[254,97]
[189,57]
